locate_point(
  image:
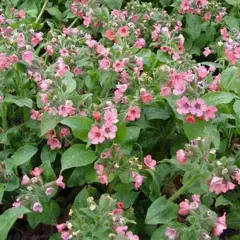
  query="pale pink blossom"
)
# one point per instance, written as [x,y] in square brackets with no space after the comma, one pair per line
[28,57]
[220,225]
[149,162]
[105,63]
[140,43]
[64,132]
[110,130]
[138,180]
[130,236]
[110,34]
[49,191]
[146,96]
[183,106]
[118,66]
[103,179]
[60,183]
[121,229]
[210,113]
[123,31]
[25,180]
[207,51]
[99,168]
[134,113]
[36,172]
[37,207]
[216,185]
[165,91]
[54,143]
[170,233]
[96,135]
[35,115]
[202,72]
[181,156]
[236,175]
[184,207]
[198,107]
[61,227]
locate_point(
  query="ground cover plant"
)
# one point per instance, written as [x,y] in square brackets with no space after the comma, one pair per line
[120,119]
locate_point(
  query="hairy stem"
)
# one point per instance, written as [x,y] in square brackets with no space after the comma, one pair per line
[42,11]
[184,188]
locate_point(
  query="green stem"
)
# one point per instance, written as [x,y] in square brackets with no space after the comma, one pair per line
[42,11]
[4,117]
[184,188]
[72,24]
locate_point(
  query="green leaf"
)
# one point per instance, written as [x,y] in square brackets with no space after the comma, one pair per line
[195,130]
[193,25]
[2,188]
[48,122]
[70,82]
[80,126]
[23,155]
[81,200]
[232,2]
[54,11]
[161,211]
[222,201]
[156,112]
[21,102]
[132,136]
[228,78]
[128,198]
[216,98]
[77,156]
[236,108]
[113,4]
[47,155]
[8,218]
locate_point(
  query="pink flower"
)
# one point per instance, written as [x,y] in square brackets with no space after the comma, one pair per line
[146,97]
[207,16]
[38,37]
[236,175]
[35,115]
[64,132]
[140,43]
[99,169]
[138,180]
[210,113]
[149,162]
[134,113]
[181,156]
[202,72]
[60,183]
[54,143]
[207,51]
[165,91]
[121,229]
[96,135]
[44,98]
[1,99]
[36,172]
[51,134]
[170,233]
[37,207]
[66,110]
[190,119]
[28,57]
[22,14]
[220,225]
[198,107]
[25,180]
[103,179]
[49,50]
[110,130]
[49,191]
[61,227]
[130,236]
[123,31]
[196,198]
[105,63]
[217,185]
[110,34]
[184,207]
[66,235]
[111,115]
[118,66]
[183,106]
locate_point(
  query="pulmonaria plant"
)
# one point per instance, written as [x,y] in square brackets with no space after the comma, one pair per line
[107,217]
[120,119]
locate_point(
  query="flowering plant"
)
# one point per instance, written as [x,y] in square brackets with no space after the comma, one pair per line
[119,119]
